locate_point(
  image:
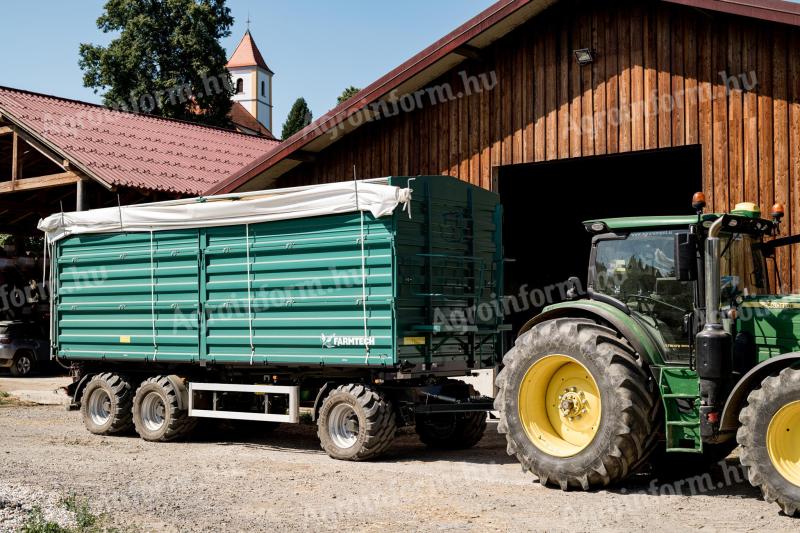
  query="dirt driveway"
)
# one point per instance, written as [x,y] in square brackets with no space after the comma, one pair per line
[283,481]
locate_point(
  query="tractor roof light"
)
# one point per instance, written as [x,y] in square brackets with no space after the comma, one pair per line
[777,212]
[699,202]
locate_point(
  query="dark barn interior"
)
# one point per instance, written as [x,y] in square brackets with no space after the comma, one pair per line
[545,204]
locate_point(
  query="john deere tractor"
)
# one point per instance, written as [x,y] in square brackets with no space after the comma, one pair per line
[680,346]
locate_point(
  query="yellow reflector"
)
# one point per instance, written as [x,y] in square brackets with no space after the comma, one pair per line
[125,339]
[413,341]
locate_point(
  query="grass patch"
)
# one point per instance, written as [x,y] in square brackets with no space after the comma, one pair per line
[6,400]
[85,520]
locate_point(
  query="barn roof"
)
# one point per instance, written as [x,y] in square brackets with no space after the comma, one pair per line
[117,148]
[465,41]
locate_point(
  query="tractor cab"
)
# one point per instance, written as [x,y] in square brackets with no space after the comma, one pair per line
[648,267]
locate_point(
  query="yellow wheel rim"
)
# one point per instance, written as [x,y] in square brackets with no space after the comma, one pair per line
[783,442]
[559,405]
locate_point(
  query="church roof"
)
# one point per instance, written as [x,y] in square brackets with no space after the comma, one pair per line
[242,118]
[247,54]
[118,148]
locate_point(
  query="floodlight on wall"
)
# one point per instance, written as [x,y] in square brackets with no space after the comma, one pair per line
[584,56]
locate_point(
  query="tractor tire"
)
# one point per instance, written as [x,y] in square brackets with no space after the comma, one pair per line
[770,439]
[356,423]
[106,404]
[157,415]
[578,408]
[451,431]
[23,365]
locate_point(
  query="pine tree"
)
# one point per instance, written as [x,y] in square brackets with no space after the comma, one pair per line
[299,117]
[166,59]
[347,94]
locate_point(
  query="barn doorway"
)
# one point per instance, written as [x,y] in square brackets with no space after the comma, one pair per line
[545,204]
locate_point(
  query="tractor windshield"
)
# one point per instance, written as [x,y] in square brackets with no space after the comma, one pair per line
[639,270]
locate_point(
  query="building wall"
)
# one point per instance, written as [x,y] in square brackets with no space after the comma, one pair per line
[663,76]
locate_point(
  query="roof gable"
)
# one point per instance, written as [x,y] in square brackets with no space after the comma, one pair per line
[475,34]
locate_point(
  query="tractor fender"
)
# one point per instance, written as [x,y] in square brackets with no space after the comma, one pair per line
[751,380]
[637,336]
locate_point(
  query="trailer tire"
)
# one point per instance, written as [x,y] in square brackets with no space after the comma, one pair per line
[457,431]
[605,403]
[157,414]
[356,423]
[106,404]
[769,454]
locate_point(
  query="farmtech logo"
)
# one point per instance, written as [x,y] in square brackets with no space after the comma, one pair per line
[335,341]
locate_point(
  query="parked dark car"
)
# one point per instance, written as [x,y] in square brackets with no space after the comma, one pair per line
[24,347]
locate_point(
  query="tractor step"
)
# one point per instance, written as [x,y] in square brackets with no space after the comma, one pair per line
[681,397]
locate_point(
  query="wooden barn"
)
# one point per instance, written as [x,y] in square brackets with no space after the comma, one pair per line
[577,109]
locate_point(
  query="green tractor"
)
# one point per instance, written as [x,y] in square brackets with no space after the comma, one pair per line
[678,348]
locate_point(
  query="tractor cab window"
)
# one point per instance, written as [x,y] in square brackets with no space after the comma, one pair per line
[639,270]
[742,268]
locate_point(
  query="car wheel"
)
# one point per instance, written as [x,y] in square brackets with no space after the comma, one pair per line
[24,364]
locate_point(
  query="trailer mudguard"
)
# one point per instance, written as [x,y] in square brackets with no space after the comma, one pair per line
[751,380]
[633,332]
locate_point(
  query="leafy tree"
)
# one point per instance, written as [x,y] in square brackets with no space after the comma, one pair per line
[299,117]
[166,59]
[347,94]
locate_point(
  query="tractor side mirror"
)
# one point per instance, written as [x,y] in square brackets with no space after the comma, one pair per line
[686,256]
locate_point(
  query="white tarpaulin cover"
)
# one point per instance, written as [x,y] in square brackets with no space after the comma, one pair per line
[374,196]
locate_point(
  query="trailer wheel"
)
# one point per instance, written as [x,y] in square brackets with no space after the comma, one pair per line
[106,404]
[576,405]
[156,411]
[770,439]
[355,423]
[457,431]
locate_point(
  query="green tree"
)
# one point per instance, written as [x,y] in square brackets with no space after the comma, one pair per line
[166,59]
[347,94]
[299,117]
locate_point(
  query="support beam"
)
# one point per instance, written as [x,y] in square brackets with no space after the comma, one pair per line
[470,52]
[302,156]
[41,182]
[6,130]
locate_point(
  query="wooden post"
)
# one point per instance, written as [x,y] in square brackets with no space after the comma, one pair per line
[16,159]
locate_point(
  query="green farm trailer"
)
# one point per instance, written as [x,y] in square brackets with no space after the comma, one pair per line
[359,300]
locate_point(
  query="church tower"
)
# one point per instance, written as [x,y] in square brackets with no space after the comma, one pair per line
[252,80]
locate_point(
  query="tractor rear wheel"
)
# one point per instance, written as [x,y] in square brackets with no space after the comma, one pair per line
[770,439]
[576,404]
[355,423]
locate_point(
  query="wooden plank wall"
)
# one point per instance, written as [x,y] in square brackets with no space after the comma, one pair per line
[663,76]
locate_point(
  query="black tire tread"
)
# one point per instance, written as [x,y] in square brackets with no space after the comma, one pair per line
[180,423]
[381,425]
[760,473]
[635,435]
[121,388]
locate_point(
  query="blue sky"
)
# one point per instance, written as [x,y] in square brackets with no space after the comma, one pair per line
[316,47]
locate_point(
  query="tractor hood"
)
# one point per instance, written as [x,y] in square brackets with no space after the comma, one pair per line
[773,321]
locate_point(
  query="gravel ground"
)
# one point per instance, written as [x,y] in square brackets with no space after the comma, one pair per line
[282,481]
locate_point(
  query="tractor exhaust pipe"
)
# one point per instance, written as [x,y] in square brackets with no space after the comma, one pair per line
[713,342]
[712,277]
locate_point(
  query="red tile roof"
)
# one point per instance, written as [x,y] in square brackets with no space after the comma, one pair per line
[495,21]
[132,150]
[242,117]
[247,54]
